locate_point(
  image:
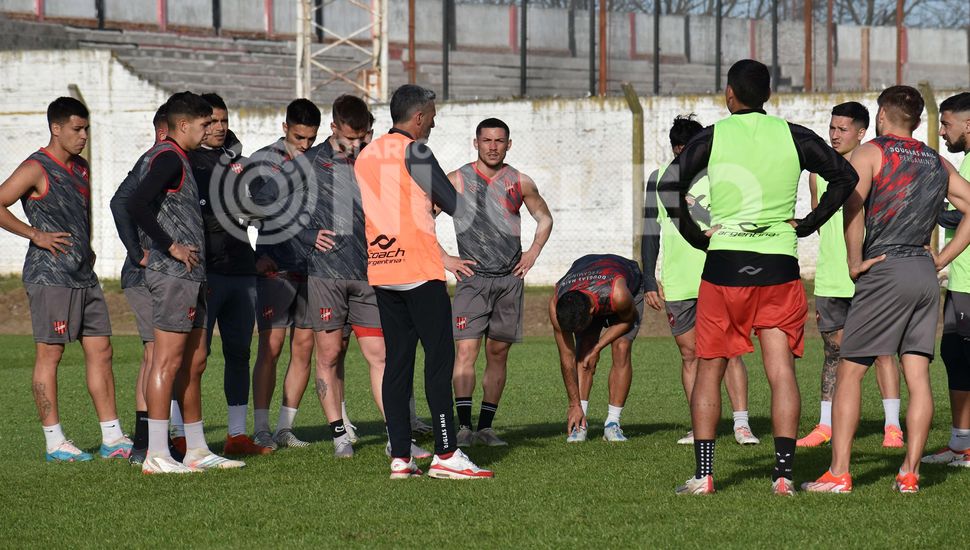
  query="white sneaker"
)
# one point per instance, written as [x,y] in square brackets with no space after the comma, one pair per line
[264,439]
[351,432]
[695,486]
[404,469]
[783,487]
[204,459]
[286,438]
[465,436]
[743,435]
[459,466]
[419,428]
[488,437]
[613,433]
[416,451]
[576,436]
[342,447]
[155,464]
[687,439]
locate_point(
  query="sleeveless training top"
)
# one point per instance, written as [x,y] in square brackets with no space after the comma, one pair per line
[595,275]
[488,226]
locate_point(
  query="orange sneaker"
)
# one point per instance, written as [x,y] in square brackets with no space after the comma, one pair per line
[830,483]
[242,445]
[820,435]
[906,483]
[893,438]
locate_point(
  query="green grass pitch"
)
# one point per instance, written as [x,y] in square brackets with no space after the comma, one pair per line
[545,493]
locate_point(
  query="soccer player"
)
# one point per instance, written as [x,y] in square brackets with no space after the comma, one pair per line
[65,298]
[751,276]
[491,268]
[955,346]
[597,304]
[680,275]
[902,183]
[400,183]
[165,205]
[834,289]
[230,266]
[281,260]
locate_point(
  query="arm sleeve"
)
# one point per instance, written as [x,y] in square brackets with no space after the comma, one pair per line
[692,164]
[164,173]
[127,228]
[817,157]
[650,240]
[949,219]
[424,169]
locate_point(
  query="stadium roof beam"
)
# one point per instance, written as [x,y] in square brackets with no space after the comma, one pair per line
[366,47]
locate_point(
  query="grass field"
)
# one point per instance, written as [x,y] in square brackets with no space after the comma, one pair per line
[545,493]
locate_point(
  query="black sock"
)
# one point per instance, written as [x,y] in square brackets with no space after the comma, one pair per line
[141,430]
[486,415]
[464,407]
[704,456]
[784,457]
[337,429]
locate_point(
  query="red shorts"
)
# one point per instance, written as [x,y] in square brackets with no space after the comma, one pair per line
[726,316]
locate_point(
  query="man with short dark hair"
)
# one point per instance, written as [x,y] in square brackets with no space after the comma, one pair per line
[834,289]
[597,304]
[751,280]
[680,276]
[65,298]
[491,269]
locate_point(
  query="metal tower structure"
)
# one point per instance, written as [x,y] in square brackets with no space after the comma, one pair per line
[364,48]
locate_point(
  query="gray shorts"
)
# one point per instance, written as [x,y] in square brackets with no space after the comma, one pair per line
[682,315]
[281,302]
[178,305]
[894,310]
[489,306]
[956,313]
[140,301]
[60,314]
[830,313]
[632,333]
[339,303]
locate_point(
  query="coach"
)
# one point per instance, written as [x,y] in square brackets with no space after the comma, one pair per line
[400,180]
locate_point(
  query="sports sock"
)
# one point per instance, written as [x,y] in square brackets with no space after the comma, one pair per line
[337,429]
[54,436]
[261,420]
[237,419]
[486,415]
[176,424]
[584,405]
[959,439]
[195,436]
[825,418]
[287,416]
[464,407]
[158,436]
[890,408]
[111,431]
[784,457]
[343,412]
[613,414]
[704,457]
[141,430]
[741,420]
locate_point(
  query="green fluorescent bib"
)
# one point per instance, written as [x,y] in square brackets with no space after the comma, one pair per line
[832,268]
[753,173]
[960,267]
[681,264]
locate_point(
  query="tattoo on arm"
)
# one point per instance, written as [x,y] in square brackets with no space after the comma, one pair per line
[44,405]
[831,365]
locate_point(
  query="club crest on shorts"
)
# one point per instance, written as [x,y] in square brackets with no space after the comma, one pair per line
[461,323]
[326,313]
[267,312]
[671,319]
[191,314]
[60,327]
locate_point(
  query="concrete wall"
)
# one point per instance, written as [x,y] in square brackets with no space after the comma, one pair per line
[244,15]
[132,11]
[70,8]
[189,13]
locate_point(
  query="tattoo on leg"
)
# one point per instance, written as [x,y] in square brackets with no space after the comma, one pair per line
[832,350]
[321,388]
[44,405]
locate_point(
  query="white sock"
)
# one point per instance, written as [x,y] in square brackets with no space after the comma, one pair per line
[584,405]
[287,416]
[741,420]
[237,419]
[54,436]
[111,431]
[195,436]
[343,411]
[613,414]
[261,420]
[158,437]
[175,420]
[825,418]
[959,439]
[891,408]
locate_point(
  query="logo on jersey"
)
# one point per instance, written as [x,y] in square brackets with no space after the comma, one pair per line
[236,167]
[60,327]
[749,227]
[509,186]
[383,242]
[267,312]
[81,172]
[749,270]
[191,314]
[326,313]
[461,323]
